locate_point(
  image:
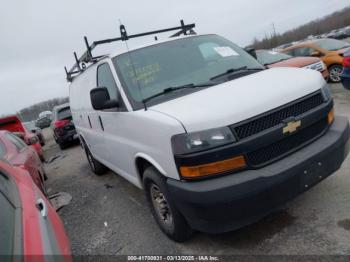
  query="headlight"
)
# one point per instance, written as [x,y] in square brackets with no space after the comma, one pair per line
[203,140]
[326,92]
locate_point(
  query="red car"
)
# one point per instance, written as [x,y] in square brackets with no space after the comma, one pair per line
[29,224]
[13,124]
[16,152]
[272,59]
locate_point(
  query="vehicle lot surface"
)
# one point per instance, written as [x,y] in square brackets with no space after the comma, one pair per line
[108,215]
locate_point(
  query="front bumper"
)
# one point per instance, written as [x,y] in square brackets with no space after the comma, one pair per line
[68,136]
[229,202]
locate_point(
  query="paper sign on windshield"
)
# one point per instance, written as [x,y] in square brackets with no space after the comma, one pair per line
[225,51]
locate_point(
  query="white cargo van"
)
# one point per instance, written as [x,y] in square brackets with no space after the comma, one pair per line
[215,140]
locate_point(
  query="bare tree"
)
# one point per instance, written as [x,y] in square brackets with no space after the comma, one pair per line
[32,112]
[333,21]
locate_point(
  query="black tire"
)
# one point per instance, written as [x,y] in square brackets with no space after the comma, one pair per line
[164,210]
[62,146]
[96,167]
[42,158]
[334,73]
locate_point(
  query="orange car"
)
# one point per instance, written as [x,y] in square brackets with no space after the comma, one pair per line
[272,59]
[330,51]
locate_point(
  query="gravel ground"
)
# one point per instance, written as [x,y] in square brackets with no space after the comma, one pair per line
[108,215]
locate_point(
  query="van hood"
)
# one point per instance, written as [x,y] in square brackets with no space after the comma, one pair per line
[242,98]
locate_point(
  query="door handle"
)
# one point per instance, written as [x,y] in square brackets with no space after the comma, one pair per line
[101,123]
[89,122]
[41,205]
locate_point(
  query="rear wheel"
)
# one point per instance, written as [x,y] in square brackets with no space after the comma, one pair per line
[96,166]
[42,158]
[169,219]
[334,73]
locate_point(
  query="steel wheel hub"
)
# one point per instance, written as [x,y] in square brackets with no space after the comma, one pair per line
[161,206]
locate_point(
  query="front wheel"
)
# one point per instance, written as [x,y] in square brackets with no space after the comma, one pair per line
[96,166]
[164,211]
[334,73]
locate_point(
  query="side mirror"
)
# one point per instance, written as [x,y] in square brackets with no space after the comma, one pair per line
[316,54]
[251,51]
[100,99]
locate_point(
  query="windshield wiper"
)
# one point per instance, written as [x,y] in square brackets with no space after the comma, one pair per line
[234,70]
[175,88]
[283,59]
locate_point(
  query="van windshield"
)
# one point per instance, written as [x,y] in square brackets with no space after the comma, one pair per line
[193,60]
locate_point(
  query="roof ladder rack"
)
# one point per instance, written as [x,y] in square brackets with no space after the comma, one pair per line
[87,56]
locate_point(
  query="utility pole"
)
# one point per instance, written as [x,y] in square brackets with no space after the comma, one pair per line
[274,37]
[274,29]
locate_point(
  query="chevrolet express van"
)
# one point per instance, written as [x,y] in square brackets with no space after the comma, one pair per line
[215,140]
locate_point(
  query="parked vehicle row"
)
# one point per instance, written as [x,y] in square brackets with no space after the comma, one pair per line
[14,125]
[43,122]
[16,152]
[62,126]
[216,140]
[330,51]
[339,34]
[30,126]
[273,59]
[29,226]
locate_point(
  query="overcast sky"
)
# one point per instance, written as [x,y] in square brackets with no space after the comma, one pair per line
[39,36]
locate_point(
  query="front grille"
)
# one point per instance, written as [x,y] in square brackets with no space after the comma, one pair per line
[316,66]
[277,116]
[287,145]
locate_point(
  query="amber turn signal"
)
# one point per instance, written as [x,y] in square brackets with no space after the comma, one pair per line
[331,116]
[192,172]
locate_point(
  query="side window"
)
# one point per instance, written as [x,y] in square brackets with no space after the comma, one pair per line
[2,149]
[7,217]
[304,51]
[105,79]
[290,52]
[16,141]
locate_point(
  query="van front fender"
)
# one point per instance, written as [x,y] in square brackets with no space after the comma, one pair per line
[151,161]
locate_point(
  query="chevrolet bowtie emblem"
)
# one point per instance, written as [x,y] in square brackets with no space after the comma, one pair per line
[291,127]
